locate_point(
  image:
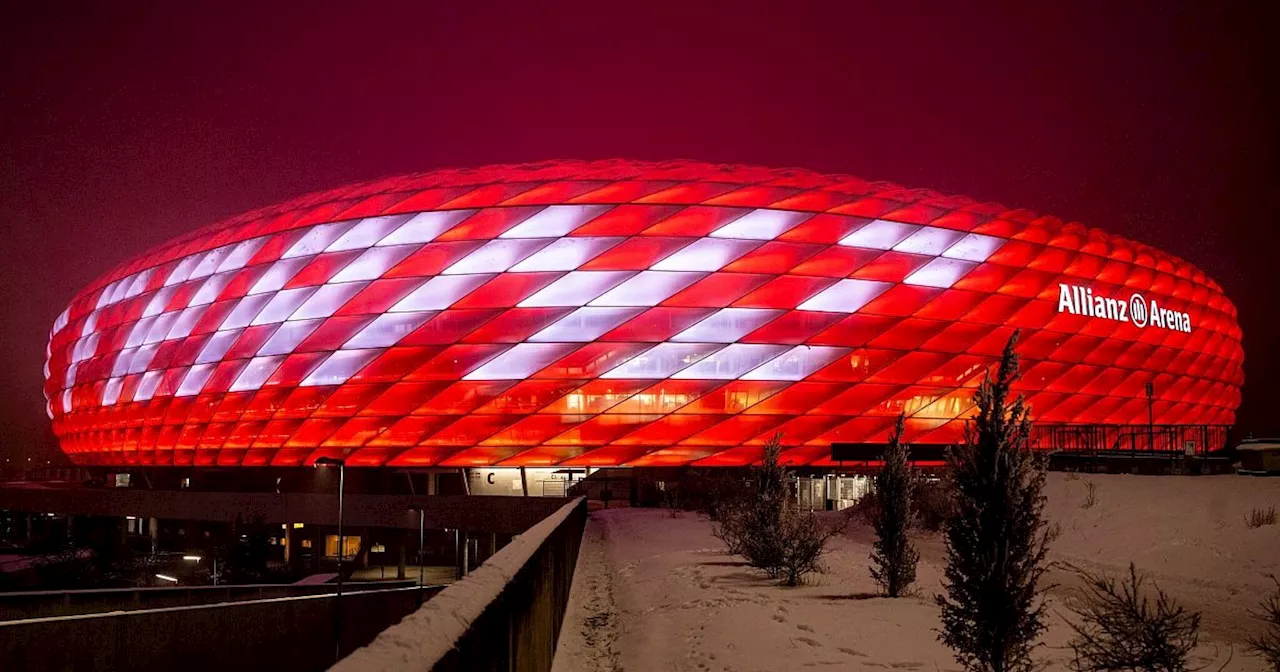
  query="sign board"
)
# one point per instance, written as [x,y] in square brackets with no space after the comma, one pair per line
[1189,447]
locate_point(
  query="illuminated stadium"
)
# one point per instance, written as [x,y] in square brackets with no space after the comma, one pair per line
[617,313]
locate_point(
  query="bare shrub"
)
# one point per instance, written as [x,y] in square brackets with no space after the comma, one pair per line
[894,557]
[1120,628]
[1267,645]
[1259,517]
[1090,495]
[763,524]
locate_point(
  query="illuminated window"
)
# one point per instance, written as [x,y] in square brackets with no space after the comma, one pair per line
[350,546]
[727,325]
[731,362]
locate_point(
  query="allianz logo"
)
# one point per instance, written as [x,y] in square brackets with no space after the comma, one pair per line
[1077,300]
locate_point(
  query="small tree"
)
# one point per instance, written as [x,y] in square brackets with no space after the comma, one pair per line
[992,612]
[1267,645]
[893,556]
[1121,629]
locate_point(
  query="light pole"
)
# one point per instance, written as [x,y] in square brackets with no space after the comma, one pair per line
[1151,417]
[337,600]
[422,515]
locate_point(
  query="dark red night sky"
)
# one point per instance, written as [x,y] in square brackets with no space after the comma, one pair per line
[122,126]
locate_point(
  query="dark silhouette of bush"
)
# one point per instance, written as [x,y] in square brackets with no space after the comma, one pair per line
[1119,628]
[893,556]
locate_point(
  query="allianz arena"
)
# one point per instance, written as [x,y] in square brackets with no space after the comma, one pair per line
[621,313]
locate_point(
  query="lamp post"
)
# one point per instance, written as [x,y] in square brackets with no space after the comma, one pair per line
[422,515]
[337,600]
[1151,417]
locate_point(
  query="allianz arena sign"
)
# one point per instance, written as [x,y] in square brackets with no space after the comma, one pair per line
[1077,300]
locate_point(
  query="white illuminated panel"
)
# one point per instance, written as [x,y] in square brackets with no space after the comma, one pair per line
[245,311]
[647,288]
[217,346]
[373,263]
[761,224]
[141,358]
[929,240]
[369,231]
[183,270]
[495,256]
[111,391]
[209,263]
[797,363]
[288,336]
[186,322]
[576,288]
[195,379]
[327,300]
[585,324]
[159,329]
[425,226]
[146,387]
[282,305]
[706,254]
[256,372]
[90,324]
[521,361]
[316,239]
[387,330]
[566,254]
[339,367]
[241,254]
[727,325]
[846,296]
[138,332]
[974,247]
[555,221]
[211,288]
[940,272]
[159,300]
[276,277]
[879,235]
[439,292]
[70,380]
[662,360]
[124,359]
[731,362]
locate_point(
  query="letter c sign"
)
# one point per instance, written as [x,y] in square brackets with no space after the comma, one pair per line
[489,478]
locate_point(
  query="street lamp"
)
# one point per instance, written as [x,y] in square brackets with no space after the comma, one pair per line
[213,572]
[337,600]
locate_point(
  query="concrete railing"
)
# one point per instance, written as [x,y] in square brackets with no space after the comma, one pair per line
[49,603]
[291,633]
[505,615]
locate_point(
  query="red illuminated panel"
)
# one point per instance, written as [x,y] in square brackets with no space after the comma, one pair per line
[620,313]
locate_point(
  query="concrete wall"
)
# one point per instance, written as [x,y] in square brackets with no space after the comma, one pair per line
[506,615]
[295,633]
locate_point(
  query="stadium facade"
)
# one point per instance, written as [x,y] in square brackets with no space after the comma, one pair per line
[620,313]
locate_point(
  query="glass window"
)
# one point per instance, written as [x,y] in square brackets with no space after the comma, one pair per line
[585,324]
[974,247]
[327,300]
[565,254]
[369,231]
[930,240]
[941,272]
[280,273]
[244,312]
[241,254]
[350,546]
[282,305]
[387,330]
[879,235]
[520,361]
[797,363]
[576,289]
[761,224]
[373,263]
[195,379]
[662,360]
[339,366]
[256,372]
[731,362]
[217,346]
[647,288]
[706,254]
[439,292]
[288,336]
[495,256]
[846,296]
[554,221]
[727,325]
[315,240]
[425,226]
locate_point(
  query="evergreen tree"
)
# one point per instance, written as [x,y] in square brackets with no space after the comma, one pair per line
[993,612]
[893,556]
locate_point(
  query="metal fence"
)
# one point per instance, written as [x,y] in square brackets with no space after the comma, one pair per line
[506,615]
[1167,439]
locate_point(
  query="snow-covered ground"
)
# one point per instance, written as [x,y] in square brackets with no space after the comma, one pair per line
[656,592]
